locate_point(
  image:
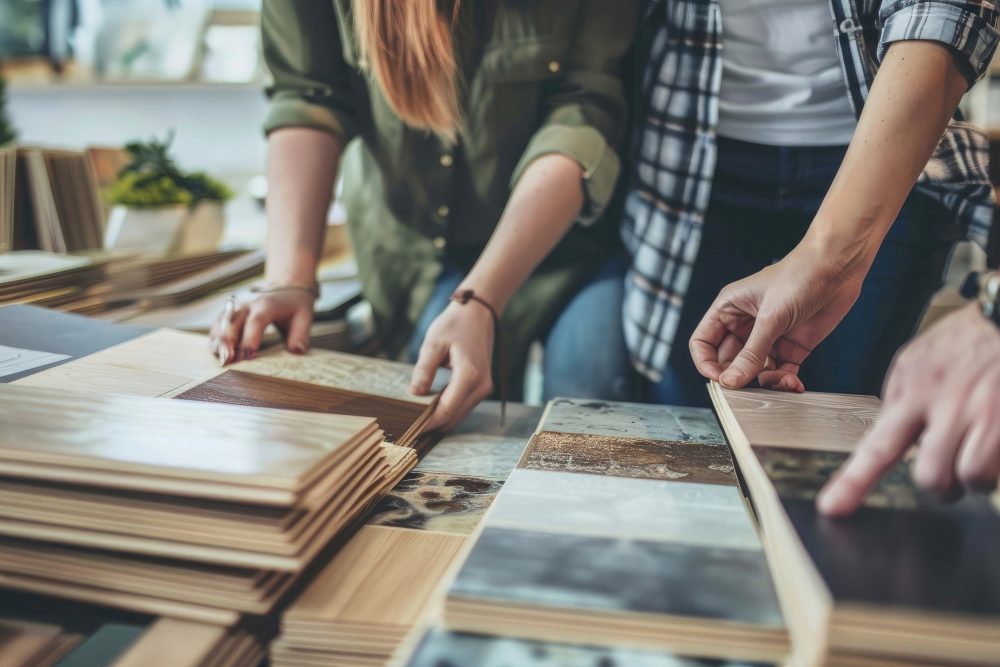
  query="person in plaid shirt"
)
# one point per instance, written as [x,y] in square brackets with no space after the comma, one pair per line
[796,192]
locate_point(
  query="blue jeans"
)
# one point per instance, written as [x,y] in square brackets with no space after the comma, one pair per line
[763,200]
[585,354]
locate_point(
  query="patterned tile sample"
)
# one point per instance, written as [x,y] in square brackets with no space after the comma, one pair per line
[632,420]
[436,501]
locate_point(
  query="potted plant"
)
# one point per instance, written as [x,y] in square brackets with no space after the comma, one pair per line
[158,208]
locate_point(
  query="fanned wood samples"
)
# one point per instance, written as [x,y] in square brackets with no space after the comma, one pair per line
[369,386]
[905,580]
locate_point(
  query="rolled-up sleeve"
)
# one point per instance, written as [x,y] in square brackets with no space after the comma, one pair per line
[586,111]
[968,27]
[303,51]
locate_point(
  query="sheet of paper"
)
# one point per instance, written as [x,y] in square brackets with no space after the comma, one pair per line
[17,360]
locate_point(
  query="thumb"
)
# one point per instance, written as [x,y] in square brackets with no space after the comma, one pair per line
[298,337]
[751,360]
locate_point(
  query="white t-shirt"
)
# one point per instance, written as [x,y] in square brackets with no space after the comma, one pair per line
[782,80]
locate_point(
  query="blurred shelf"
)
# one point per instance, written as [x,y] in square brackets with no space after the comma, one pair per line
[134,86]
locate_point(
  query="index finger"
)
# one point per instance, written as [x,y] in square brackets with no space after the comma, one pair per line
[461,389]
[879,450]
[705,343]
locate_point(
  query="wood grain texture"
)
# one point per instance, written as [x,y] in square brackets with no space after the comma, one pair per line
[437,502]
[23,643]
[174,642]
[396,418]
[183,439]
[813,420]
[338,370]
[630,457]
[382,577]
[157,364]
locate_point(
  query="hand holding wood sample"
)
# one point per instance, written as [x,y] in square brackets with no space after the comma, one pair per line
[906,580]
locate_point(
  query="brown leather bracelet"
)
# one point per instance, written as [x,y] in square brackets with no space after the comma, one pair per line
[271,289]
[464,296]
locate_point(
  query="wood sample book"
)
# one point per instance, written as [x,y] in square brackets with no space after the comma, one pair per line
[366,385]
[175,507]
[905,580]
[623,525]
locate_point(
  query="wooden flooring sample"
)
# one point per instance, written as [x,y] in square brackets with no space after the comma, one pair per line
[630,457]
[816,421]
[382,577]
[338,370]
[631,420]
[437,502]
[395,417]
[156,364]
[22,643]
[182,439]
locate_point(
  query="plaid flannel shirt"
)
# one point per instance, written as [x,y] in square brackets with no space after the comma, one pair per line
[674,148]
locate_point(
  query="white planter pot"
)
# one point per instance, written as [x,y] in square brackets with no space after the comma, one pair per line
[166,230]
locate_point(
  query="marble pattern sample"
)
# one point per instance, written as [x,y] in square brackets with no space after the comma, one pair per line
[632,420]
[630,457]
[442,648]
[474,455]
[694,514]
[436,501]
[604,575]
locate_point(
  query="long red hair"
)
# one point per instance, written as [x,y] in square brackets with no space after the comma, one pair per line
[408,45]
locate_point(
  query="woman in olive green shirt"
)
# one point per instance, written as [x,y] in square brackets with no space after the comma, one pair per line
[487,129]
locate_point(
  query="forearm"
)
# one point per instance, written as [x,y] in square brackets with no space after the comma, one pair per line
[301,169]
[912,99]
[542,208]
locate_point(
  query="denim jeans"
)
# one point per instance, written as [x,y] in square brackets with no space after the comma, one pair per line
[585,354]
[763,200]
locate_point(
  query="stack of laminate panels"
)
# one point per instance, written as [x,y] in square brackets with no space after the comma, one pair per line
[623,525]
[388,579]
[177,508]
[907,580]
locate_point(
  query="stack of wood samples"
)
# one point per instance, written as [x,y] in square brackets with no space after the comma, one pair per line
[623,525]
[34,644]
[906,580]
[180,643]
[356,385]
[388,579]
[8,167]
[61,209]
[31,276]
[359,609]
[177,508]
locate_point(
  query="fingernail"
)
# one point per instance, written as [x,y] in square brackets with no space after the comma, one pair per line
[829,499]
[224,356]
[729,379]
[298,348]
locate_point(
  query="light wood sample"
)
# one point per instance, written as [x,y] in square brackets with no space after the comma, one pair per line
[813,420]
[160,363]
[221,444]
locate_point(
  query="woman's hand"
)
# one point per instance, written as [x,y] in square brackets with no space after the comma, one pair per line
[461,338]
[944,388]
[291,311]
[765,326]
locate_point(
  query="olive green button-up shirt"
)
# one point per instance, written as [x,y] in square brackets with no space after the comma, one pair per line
[538,77]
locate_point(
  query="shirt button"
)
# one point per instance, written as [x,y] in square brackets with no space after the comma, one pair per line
[443,211]
[447,160]
[554,66]
[440,242]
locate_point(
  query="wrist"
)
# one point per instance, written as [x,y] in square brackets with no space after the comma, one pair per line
[847,250]
[489,299]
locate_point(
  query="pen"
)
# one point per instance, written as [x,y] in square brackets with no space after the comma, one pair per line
[227,320]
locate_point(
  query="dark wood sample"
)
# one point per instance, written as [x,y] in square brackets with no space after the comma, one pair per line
[630,457]
[395,417]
